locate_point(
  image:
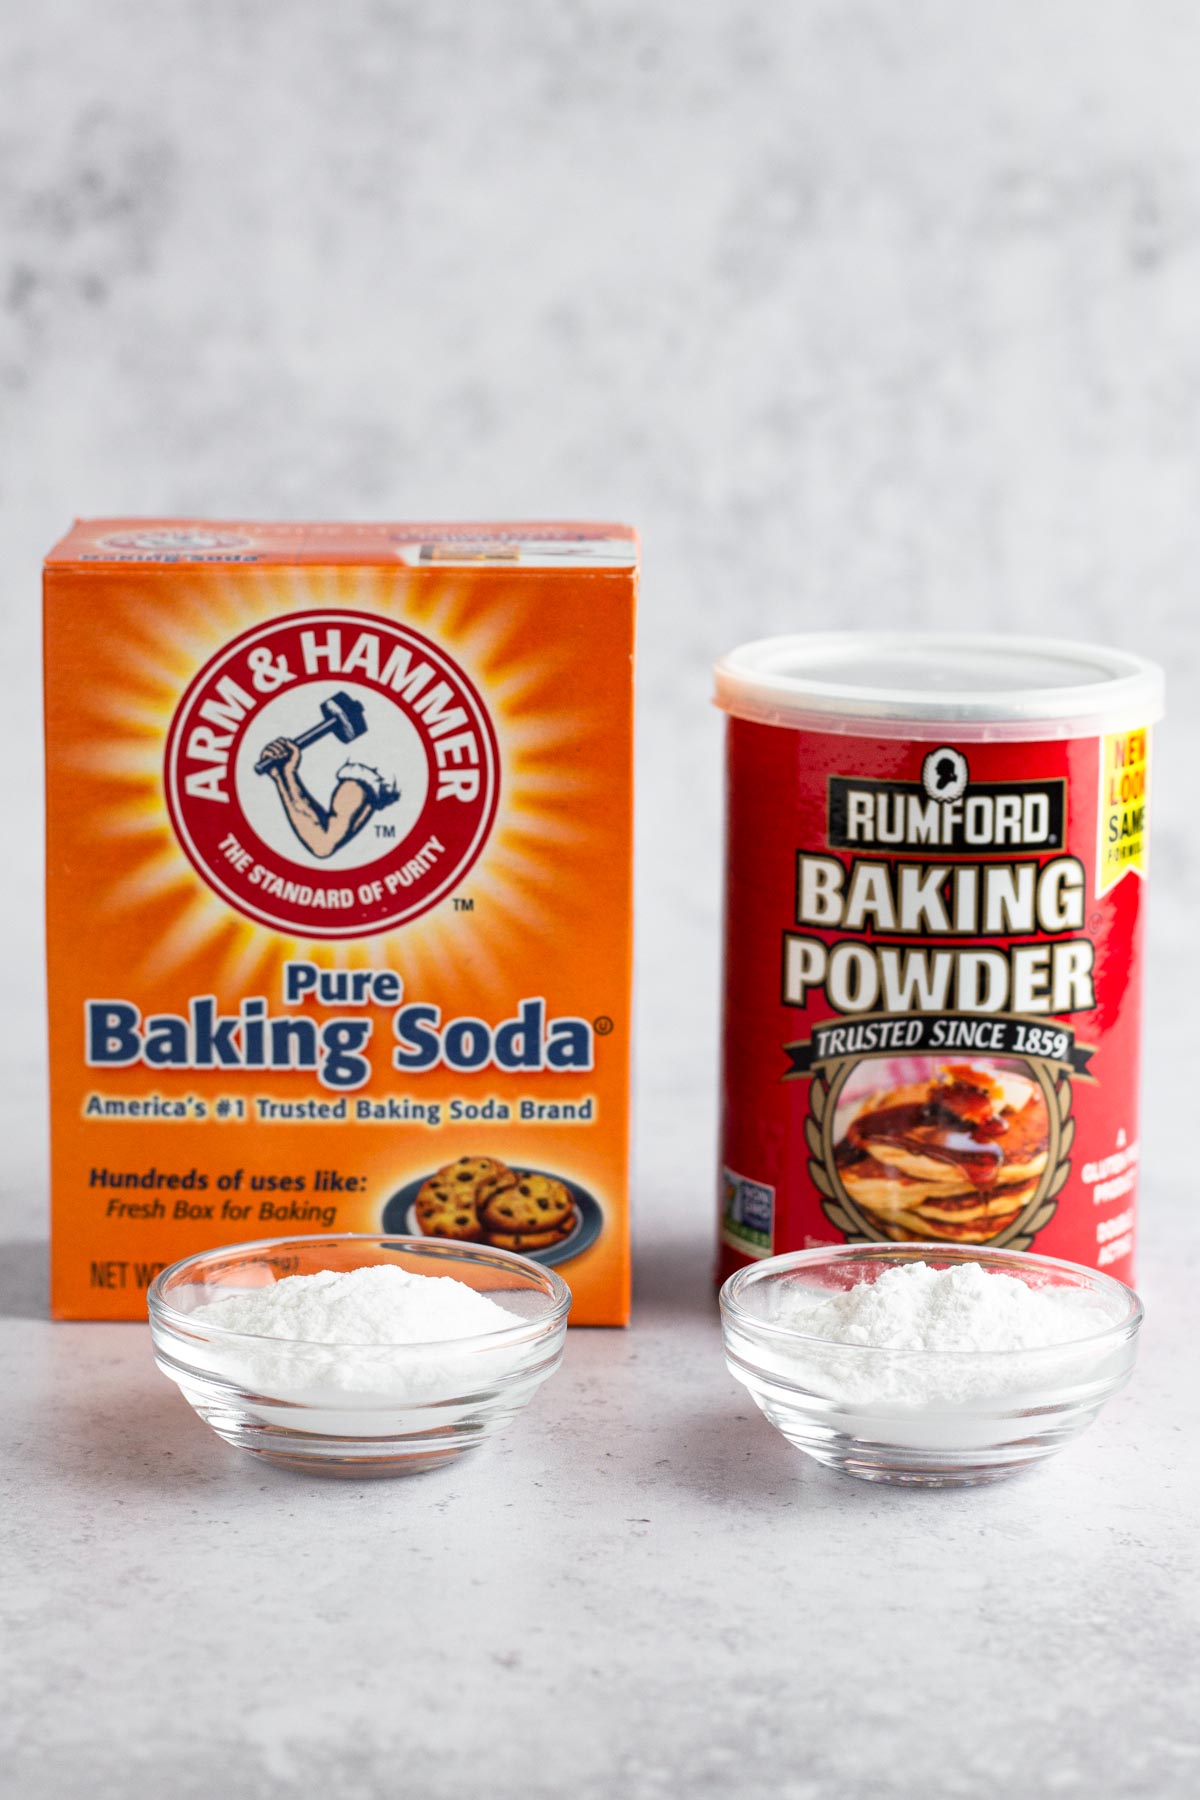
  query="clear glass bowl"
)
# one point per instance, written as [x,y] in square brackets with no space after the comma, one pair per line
[355,1409]
[981,1415]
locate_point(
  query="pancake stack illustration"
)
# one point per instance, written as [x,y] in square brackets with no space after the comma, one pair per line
[957,1157]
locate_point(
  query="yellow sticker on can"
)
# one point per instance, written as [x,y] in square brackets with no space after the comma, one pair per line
[1123,810]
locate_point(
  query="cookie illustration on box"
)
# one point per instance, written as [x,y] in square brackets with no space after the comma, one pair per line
[478,1177]
[524,1243]
[532,1203]
[483,1200]
[443,1212]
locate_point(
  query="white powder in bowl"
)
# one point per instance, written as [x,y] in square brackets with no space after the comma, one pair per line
[915,1307]
[917,1343]
[379,1304]
[375,1331]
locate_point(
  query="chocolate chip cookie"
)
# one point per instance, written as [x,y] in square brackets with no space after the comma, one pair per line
[524,1241]
[533,1203]
[443,1211]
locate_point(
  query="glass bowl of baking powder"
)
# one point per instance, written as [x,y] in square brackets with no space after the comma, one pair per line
[928,1365]
[353,1354]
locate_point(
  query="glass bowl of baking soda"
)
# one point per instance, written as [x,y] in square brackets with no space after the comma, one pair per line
[358,1355]
[924,1364]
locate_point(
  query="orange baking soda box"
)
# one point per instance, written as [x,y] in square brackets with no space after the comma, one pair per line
[338,893]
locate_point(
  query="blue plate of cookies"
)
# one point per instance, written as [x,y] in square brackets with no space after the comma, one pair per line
[483,1200]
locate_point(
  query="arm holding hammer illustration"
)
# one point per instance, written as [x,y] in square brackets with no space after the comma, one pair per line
[321,830]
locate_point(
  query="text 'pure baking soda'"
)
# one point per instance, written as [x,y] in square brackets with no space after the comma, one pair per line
[339,867]
[935,899]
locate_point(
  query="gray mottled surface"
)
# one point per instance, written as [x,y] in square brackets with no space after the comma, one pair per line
[866,314]
[640,1591]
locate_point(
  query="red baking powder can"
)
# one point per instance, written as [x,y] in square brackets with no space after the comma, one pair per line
[936,861]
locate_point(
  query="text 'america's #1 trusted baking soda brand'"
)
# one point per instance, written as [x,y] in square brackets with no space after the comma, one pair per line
[935,902]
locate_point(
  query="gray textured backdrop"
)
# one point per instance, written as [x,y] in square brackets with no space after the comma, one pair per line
[864,313]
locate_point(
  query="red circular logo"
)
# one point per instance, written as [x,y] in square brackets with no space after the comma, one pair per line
[332,774]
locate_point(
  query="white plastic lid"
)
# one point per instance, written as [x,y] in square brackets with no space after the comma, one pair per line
[915,684]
